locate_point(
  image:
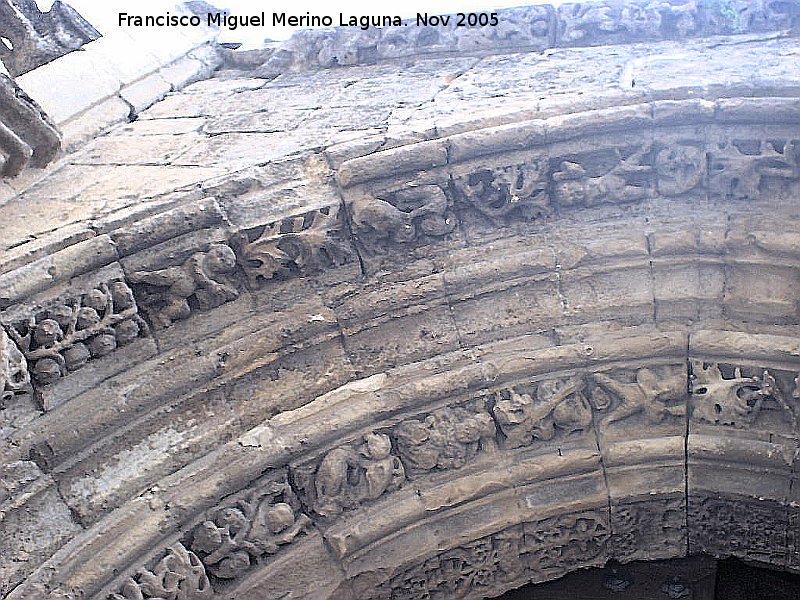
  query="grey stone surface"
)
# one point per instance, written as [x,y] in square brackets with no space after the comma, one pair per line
[512,312]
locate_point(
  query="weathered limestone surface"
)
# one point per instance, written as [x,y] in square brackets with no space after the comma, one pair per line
[432,328]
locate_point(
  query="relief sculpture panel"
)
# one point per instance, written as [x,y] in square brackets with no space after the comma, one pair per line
[238,535]
[204,281]
[744,397]
[64,336]
[448,438]
[505,193]
[412,213]
[553,408]
[302,244]
[350,475]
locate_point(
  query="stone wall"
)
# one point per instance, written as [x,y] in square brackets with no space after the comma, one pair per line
[439,352]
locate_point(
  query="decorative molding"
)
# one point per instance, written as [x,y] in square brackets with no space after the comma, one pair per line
[304,244]
[64,336]
[575,24]
[494,178]
[532,551]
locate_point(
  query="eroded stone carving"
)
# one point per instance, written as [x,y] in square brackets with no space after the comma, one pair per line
[350,475]
[27,136]
[647,528]
[178,576]
[738,527]
[679,168]
[14,376]
[736,400]
[311,242]
[738,169]
[609,22]
[446,439]
[538,551]
[557,406]
[37,38]
[64,337]
[624,182]
[559,544]
[201,281]
[500,191]
[404,215]
[658,393]
[238,534]
[484,565]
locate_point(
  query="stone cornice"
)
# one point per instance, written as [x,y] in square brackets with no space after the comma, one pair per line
[530,28]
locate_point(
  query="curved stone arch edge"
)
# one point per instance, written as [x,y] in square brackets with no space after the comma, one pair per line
[707,345]
[321,234]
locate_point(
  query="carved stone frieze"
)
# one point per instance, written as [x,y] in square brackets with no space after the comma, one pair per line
[243,531]
[739,169]
[739,397]
[14,375]
[656,393]
[628,178]
[413,213]
[447,438]
[503,192]
[350,475]
[679,167]
[589,23]
[556,407]
[752,529]
[302,244]
[62,337]
[37,38]
[27,136]
[560,544]
[180,575]
[202,282]
[648,529]
[532,551]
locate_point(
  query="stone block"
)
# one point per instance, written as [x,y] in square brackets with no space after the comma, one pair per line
[90,123]
[150,231]
[67,263]
[692,290]
[504,138]
[683,112]
[184,71]
[417,157]
[502,310]
[32,532]
[776,300]
[623,293]
[145,92]
[594,122]
[60,86]
[126,150]
[758,110]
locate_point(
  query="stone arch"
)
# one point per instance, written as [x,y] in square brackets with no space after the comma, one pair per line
[449,367]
